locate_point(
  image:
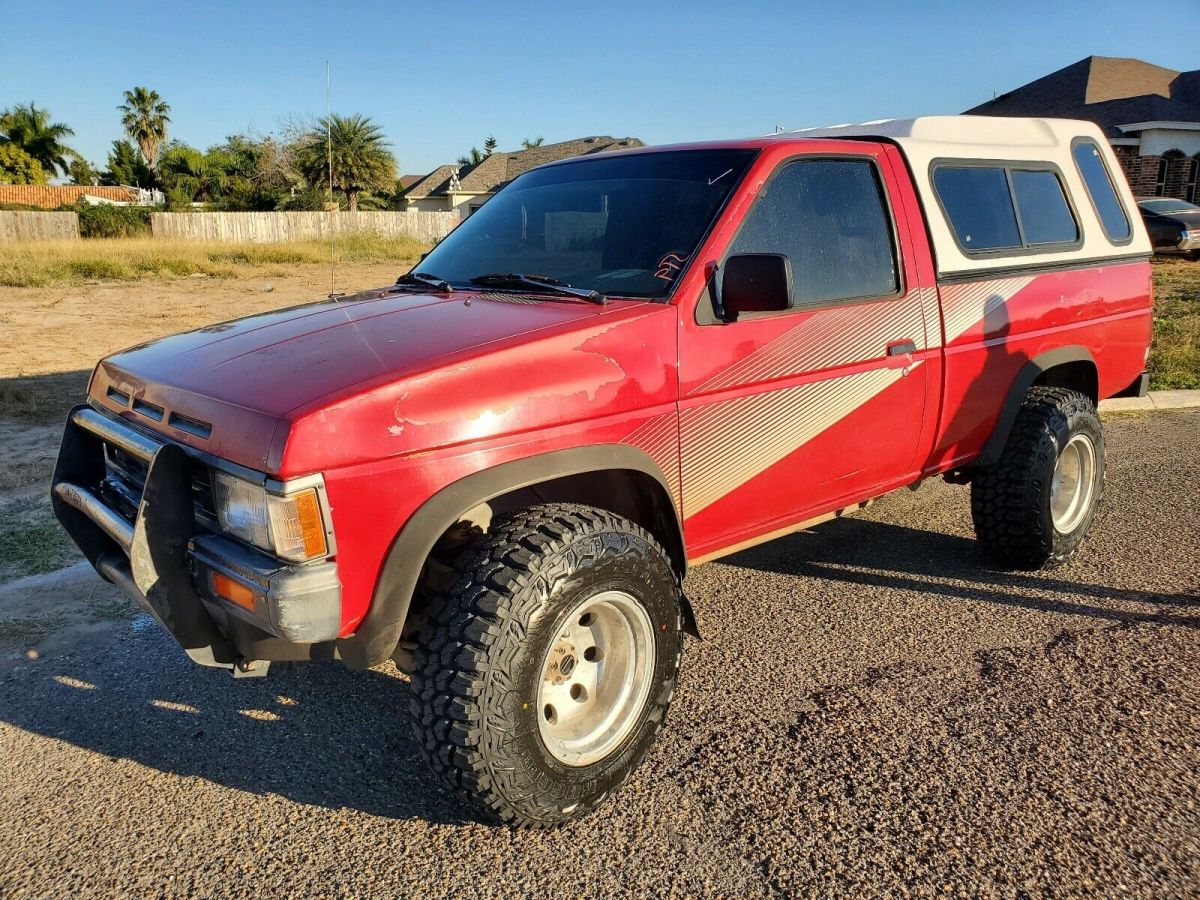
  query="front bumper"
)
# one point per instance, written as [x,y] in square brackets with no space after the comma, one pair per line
[1190,241]
[156,551]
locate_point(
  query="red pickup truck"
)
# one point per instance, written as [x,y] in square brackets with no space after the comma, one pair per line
[497,471]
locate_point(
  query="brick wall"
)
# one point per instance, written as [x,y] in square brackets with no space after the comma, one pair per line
[1142,172]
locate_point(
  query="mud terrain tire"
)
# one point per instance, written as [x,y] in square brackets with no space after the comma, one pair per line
[482,653]
[1022,506]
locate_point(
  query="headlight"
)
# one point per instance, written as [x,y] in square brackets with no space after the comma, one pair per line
[290,527]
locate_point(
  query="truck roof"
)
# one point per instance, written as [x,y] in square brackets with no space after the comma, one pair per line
[928,141]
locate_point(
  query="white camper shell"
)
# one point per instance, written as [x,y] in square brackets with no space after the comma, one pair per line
[939,147]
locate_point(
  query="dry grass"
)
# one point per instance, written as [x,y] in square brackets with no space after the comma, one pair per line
[47,263]
[1175,359]
[1174,362]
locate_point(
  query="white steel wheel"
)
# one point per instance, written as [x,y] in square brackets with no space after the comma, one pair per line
[1073,483]
[595,678]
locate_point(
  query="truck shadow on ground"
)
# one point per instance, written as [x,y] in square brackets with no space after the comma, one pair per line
[315,733]
[42,399]
[896,557]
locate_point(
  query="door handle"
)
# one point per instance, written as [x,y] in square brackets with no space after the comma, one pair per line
[901,348]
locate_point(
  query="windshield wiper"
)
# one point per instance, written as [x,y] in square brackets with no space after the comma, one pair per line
[424,279]
[537,283]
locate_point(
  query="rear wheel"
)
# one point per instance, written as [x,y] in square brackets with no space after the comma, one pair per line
[1034,507]
[544,674]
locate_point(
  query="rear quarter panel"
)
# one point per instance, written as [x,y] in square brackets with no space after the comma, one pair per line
[994,325]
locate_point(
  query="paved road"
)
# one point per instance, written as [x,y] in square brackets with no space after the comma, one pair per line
[872,711]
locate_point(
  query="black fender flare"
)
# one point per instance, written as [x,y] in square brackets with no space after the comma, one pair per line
[1029,373]
[375,639]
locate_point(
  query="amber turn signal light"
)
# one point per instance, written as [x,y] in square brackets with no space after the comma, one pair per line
[233,591]
[312,529]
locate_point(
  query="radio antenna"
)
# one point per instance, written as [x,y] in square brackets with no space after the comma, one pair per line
[330,207]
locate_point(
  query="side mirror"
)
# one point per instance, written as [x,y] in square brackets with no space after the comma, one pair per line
[753,282]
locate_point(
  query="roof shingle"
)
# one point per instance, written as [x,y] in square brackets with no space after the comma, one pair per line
[1109,91]
[495,171]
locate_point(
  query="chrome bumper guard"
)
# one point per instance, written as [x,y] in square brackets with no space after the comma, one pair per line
[164,562]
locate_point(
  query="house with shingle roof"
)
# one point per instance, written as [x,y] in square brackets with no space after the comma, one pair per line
[1151,115]
[466,188]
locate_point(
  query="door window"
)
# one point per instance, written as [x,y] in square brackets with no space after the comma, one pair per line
[829,217]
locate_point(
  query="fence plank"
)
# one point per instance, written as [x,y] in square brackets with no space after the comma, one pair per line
[38,226]
[278,227]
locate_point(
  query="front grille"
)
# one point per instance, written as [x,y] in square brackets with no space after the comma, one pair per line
[202,496]
[125,479]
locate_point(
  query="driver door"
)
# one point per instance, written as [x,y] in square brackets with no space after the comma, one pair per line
[787,415]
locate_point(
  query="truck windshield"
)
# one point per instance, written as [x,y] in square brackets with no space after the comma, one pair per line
[624,225]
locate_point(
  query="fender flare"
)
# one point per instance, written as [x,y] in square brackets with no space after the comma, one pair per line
[1029,373]
[375,639]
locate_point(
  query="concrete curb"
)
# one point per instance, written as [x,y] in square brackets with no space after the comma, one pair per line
[1153,401]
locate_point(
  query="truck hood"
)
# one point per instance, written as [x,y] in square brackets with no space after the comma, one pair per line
[235,389]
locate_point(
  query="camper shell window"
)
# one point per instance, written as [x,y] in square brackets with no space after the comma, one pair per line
[1004,207]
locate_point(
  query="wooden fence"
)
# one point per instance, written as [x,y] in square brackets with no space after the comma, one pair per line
[38,226]
[278,227]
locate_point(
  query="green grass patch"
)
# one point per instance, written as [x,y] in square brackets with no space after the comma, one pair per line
[33,548]
[1175,357]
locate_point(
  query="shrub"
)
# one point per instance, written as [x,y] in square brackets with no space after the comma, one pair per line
[18,167]
[113,221]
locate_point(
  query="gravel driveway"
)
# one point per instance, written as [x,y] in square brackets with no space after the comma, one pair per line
[871,711]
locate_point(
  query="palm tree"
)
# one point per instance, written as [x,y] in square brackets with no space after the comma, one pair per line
[186,170]
[30,129]
[145,117]
[360,158]
[474,158]
[530,143]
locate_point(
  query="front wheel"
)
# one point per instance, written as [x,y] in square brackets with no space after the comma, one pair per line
[544,675]
[1033,508]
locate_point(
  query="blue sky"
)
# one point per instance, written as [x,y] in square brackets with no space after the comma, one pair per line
[440,77]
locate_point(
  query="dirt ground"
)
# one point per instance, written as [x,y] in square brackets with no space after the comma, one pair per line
[50,338]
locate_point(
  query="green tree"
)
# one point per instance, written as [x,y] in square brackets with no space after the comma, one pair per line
[185,171]
[474,158]
[145,117]
[18,167]
[81,172]
[530,143]
[361,160]
[126,166]
[258,176]
[306,199]
[30,129]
